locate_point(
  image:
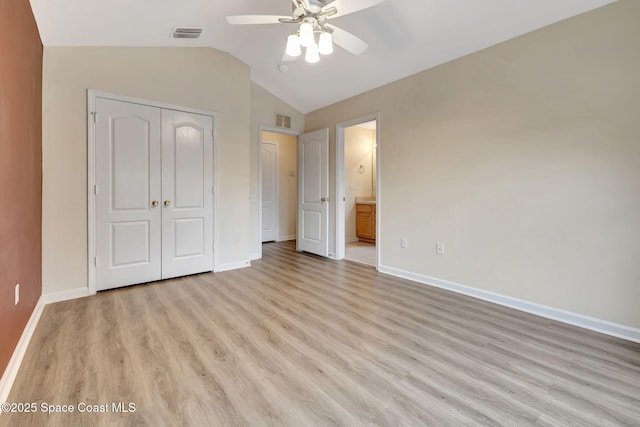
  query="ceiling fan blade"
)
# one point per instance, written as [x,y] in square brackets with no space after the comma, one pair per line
[305,4]
[346,7]
[255,19]
[348,41]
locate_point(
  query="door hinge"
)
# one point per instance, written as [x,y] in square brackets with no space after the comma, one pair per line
[94,114]
[95,189]
[95,261]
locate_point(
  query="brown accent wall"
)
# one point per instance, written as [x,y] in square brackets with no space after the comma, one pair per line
[20,170]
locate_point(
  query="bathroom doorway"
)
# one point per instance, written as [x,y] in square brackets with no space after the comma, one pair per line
[357,215]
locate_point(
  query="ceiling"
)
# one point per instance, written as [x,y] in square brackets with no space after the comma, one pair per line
[404,36]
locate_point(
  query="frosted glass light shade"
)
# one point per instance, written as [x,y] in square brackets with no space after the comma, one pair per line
[306,34]
[325,44]
[293,46]
[312,56]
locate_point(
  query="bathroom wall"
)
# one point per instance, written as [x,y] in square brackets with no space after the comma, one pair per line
[358,160]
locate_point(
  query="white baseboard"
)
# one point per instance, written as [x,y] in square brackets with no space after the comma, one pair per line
[18,354]
[254,256]
[351,240]
[65,295]
[231,266]
[586,322]
[286,238]
[9,376]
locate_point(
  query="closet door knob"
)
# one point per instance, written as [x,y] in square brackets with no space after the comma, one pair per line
[154,203]
[167,203]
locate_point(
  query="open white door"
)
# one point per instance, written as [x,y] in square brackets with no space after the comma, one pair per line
[313,192]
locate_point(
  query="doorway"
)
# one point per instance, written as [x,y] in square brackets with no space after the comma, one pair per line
[269,205]
[278,174]
[357,178]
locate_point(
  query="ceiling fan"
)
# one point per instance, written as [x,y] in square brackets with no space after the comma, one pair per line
[312,17]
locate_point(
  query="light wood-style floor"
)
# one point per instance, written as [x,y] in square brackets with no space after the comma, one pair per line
[297,340]
[362,252]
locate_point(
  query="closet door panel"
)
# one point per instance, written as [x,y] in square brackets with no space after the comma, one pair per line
[187,193]
[128,225]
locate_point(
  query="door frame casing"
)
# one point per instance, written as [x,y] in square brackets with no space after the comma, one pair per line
[274,129]
[340,213]
[92,95]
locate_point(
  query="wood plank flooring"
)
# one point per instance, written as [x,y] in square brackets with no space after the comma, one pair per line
[298,340]
[362,252]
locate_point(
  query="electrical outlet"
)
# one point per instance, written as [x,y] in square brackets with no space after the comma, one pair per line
[403,243]
[253,198]
[237,237]
[440,248]
[17,294]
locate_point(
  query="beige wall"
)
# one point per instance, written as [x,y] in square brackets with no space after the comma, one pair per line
[524,159]
[287,184]
[264,107]
[358,150]
[193,77]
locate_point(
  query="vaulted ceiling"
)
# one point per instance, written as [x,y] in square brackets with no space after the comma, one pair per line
[404,36]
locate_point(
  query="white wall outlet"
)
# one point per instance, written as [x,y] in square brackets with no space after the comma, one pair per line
[440,248]
[403,243]
[253,198]
[237,237]
[17,294]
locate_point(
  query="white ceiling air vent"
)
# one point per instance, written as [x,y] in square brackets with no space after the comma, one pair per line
[283,121]
[186,33]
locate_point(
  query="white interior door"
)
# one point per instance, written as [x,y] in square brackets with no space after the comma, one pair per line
[187,193]
[127,170]
[269,153]
[313,192]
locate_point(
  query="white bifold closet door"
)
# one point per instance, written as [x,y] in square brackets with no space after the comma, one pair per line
[154,198]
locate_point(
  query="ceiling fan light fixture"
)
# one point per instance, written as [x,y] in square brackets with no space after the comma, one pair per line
[293,45]
[312,56]
[311,16]
[325,43]
[306,34]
